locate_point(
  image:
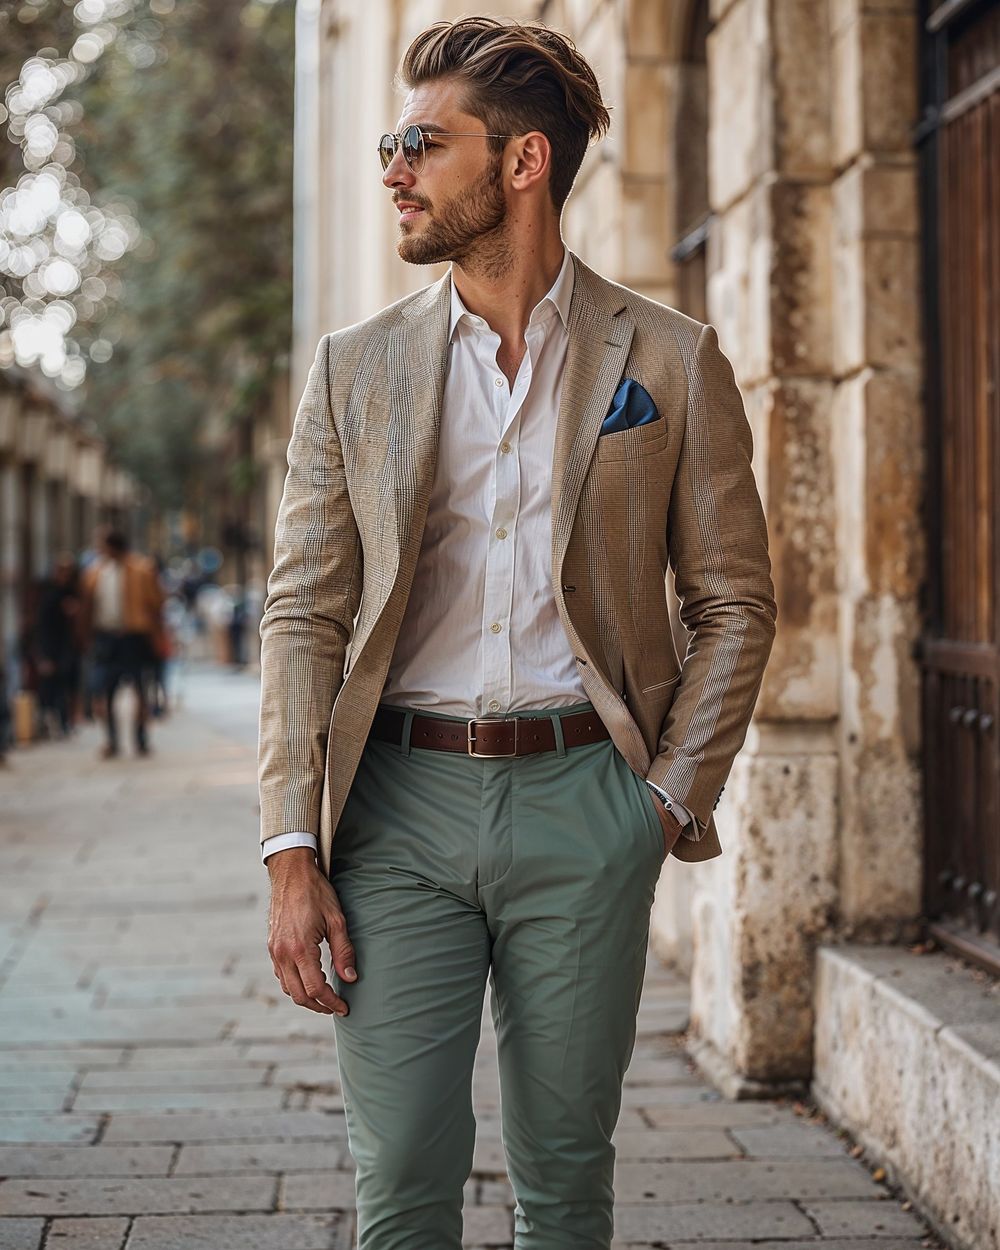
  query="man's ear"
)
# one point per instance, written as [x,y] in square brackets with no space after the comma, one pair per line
[534,161]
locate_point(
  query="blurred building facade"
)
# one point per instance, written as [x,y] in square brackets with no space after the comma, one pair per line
[57,484]
[815,179]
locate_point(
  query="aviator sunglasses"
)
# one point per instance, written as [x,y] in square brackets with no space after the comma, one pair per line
[412,142]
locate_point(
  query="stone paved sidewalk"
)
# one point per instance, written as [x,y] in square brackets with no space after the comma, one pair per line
[159,1092]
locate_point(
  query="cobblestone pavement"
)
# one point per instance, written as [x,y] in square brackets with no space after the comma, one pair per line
[159,1092]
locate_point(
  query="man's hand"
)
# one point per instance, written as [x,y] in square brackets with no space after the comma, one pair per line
[671,825]
[305,910]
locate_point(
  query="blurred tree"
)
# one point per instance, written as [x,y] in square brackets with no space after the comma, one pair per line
[186,119]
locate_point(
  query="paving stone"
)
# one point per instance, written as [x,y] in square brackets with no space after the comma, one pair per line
[317,1191]
[101,1196]
[66,1161]
[199,1055]
[242,1232]
[154,1025]
[64,1058]
[675,1095]
[21,1234]
[183,1126]
[662,1071]
[797,1243]
[711,1114]
[269,1156]
[742,1180]
[34,1096]
[859,1219]
[235,1076]
[488,1225]
[49,1128]
[324,1075]
[690,1220]
[694,1143]
[790,1141]
[103,1233]
[181,1099]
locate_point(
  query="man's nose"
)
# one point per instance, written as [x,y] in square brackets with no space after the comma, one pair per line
[397,172]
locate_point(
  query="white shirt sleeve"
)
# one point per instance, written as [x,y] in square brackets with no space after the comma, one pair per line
[282,841]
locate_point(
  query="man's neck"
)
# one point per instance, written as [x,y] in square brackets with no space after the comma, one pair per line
[505,300]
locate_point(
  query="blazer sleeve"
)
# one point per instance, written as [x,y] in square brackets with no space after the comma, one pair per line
[717,546]
[313,594]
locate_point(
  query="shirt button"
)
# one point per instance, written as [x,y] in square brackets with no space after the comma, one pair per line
[498,381]
[501,533]
[493,705]
[505,447]
[496,627]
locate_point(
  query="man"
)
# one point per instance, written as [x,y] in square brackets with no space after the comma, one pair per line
[57,646]
[122,604]
[472,711]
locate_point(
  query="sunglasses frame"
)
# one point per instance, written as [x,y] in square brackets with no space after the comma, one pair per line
[397,143]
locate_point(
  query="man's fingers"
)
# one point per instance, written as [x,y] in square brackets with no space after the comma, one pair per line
[296,990]
[340,947]
[319,988]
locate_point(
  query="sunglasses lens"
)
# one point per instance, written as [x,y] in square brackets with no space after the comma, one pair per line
[387,150]
[413,148]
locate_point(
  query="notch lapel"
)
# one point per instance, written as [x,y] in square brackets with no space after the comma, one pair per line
[416,363]
[601,330]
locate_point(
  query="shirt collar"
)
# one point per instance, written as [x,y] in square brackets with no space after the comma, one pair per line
[559,295]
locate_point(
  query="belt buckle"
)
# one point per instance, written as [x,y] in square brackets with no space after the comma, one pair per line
[496,755]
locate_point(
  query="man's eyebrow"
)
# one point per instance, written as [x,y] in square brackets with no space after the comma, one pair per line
[429,128]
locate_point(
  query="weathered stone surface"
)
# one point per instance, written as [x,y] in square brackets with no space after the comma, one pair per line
[102,1233]
[741,150]
[691,1221]
[71,1161]
[891,1066]
[219,1126]
[101,1196]
[19,1234]
[238,1232]
[291,1157]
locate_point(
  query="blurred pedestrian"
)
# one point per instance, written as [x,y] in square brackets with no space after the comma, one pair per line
[122,606]
[58,645]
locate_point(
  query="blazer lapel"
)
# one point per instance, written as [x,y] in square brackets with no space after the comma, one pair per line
[416,362]
[601,330]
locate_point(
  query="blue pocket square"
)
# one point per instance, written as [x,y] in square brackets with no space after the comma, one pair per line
[632,405]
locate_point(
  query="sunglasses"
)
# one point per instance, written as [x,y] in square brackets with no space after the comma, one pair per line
[412,142]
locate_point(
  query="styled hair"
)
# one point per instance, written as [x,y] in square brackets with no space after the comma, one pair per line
[516,77]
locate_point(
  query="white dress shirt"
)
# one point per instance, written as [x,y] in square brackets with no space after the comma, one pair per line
[486,547]
[108,596]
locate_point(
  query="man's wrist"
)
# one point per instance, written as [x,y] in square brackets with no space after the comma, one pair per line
[290,859]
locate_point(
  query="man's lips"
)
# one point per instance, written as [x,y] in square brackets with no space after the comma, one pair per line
[409,212]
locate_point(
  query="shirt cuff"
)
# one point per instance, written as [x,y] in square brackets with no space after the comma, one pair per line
[682,813]
[282,841]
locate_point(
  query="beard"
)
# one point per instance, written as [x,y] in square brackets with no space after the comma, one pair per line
[468,227]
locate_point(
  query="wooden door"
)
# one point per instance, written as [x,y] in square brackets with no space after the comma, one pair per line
[960,161]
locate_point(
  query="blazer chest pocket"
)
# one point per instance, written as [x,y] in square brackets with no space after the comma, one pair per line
[635,442]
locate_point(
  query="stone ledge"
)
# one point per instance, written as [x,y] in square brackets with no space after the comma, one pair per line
[907,1058]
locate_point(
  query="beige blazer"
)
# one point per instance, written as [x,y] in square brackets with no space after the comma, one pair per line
[360,467]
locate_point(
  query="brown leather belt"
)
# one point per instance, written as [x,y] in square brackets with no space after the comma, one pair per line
[489,738]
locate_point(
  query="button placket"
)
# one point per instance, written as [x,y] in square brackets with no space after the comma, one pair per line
[499,579]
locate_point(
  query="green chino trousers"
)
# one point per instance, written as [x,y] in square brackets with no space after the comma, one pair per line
[539,871]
